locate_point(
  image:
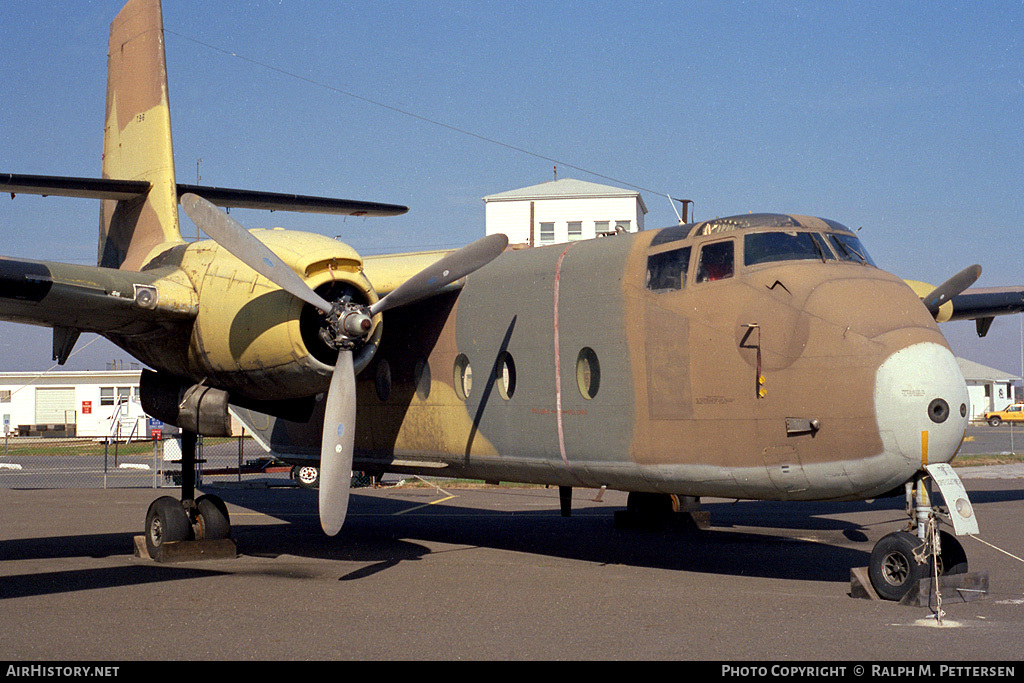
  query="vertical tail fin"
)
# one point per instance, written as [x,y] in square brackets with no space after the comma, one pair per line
[137,140]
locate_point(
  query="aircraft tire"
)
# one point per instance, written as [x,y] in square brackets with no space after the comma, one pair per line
[166,522]
[893,570]
[651,511]
[213,518]
[307,476]
[952,558]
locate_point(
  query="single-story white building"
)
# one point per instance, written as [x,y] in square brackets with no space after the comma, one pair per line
[83,403]
[988,388]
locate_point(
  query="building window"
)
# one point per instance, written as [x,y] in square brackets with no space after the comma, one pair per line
[5,396]
[575,230]
[106,396]
[622,226]
[601,228]
[124,394]
[547,232]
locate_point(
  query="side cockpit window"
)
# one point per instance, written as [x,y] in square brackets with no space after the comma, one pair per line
[716,262]
[849,248]
[667,271]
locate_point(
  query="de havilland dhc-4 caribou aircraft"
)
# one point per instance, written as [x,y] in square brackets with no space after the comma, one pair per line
[670,364]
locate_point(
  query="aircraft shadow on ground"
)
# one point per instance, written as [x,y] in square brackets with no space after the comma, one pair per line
[97,546]
[377,532]
[380,535]
[74,580]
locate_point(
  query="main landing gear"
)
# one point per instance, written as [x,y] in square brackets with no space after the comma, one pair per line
[661,511]
[901,559]
[169,521]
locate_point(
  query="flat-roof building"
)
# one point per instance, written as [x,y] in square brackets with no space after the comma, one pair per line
[93,403]
[563,211]
[988,388]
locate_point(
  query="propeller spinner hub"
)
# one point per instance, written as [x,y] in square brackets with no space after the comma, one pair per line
[356,323]
[348,325]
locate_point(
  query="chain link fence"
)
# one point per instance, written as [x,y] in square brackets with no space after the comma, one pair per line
[55,463]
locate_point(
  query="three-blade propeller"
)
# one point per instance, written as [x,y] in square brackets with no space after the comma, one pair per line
[338,439]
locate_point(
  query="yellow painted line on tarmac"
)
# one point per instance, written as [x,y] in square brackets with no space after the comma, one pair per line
[418,507]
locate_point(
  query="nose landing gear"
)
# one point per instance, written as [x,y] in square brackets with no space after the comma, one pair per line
[901,559]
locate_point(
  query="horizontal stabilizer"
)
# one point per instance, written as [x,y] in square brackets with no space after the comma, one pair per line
[120,190]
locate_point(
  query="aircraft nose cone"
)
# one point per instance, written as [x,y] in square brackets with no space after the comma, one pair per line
[921,404]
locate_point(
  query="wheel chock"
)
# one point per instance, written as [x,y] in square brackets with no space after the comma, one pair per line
[860,585]
[188,551]
[967,587]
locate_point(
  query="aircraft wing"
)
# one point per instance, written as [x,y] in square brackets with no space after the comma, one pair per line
[980,304]
[121,190]
[75,298]
[984,303]
[387,271]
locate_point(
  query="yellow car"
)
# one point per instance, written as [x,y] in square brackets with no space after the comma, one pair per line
[1011,413]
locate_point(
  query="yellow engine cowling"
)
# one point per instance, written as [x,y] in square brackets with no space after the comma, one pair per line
[923,289]
[260,342]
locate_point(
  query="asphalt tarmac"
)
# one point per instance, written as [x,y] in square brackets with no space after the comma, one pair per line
[496,574]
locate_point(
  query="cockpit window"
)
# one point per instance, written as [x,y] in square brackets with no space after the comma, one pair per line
[849,248]
[667,271]
[769,247]
[716,261]
[819,239]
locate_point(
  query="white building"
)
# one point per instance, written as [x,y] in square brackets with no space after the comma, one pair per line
[563,211]
[85,403]
[988,388]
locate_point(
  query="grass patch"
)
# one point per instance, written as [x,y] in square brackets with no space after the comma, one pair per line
[988,459]
[65,447]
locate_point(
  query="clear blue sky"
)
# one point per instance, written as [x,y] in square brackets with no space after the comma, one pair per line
[900,118]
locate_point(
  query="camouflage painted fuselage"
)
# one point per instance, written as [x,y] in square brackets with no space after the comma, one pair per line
[681,406]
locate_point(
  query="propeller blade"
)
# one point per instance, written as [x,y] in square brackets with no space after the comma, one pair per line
[950,288]
[449,269]
[337,445]
[230,234]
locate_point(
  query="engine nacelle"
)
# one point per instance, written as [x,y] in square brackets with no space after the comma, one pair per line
[204,410]
[193,407]
[262,343]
